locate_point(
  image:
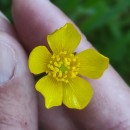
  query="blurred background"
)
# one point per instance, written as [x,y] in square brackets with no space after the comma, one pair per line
[106,24]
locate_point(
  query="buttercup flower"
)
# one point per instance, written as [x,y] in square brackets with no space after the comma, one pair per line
[64,69]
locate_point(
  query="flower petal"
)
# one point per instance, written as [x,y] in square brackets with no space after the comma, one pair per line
[66,38]
[77,94]
[38,59]
[51,90]
[92,63]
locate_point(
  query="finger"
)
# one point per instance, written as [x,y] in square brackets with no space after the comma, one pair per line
[45,116]
[18,108]
[5,25]
[111,94]
[33,24]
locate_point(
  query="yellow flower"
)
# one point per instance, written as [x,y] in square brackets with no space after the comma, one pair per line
[63,67]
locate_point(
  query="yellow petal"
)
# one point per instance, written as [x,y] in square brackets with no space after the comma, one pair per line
[38,59]
[66,38]
[92,63]
[51,90]
[77,94]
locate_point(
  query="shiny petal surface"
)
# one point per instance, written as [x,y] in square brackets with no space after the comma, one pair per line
[92,63]
[51,90]
[38,59]
[77,93]
[66,38]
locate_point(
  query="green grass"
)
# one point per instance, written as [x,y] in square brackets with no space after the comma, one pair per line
[106,24]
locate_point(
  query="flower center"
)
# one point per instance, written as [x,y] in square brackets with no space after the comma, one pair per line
[63,66]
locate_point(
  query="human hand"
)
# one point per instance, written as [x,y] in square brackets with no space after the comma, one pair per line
[34,20]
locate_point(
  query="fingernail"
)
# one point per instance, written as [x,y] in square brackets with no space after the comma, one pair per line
[3,16]
[7,62]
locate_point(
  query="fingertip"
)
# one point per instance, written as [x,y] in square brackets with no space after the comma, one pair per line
[2,16]
[18,108]
[7,61]
[38,19]
[5,25]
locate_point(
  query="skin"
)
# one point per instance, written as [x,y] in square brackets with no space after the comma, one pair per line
[33,21]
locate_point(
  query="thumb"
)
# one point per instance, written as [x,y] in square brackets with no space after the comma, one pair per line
[18,108]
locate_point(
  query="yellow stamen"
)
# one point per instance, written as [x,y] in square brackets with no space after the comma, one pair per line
[63,67]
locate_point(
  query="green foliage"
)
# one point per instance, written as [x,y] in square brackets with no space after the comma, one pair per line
[106,23]
[5,6]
